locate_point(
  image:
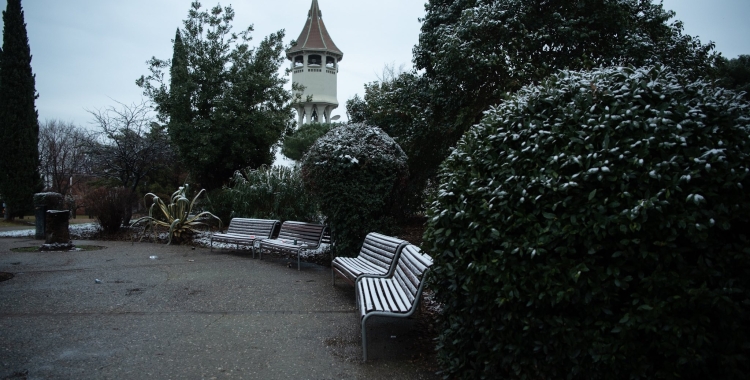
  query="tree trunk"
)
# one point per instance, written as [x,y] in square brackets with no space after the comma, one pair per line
[8,215]
[129,209]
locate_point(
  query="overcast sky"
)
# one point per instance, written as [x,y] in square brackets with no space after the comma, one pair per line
[88,53]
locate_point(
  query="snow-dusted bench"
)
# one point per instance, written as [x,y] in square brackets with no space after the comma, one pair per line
[376,258]
[294,237]
[245,231]
[394,296]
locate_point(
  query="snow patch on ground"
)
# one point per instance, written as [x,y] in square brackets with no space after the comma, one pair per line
[77,231]
[91,231]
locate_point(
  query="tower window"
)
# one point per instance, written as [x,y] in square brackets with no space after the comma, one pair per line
[313,60]
[299,61]
[330,62]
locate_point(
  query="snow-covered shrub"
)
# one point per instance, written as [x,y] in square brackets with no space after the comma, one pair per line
[355,171]
[273,192]
[596,227]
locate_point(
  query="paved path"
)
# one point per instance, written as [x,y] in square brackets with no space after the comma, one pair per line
[189,314]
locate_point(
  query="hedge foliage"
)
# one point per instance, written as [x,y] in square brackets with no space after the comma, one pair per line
[275,192]
[596,227]
[355,172]
[298,142]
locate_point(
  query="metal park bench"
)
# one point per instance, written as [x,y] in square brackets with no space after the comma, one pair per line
[294,237]
[376,258]
[394,296]
[244,231]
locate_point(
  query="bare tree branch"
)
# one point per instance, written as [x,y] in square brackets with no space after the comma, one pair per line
[63,162]
[128,144]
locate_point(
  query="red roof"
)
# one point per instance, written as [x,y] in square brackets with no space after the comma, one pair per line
[314,36]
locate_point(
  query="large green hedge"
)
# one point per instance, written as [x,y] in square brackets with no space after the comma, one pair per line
[356,173]
[275,192]
[596,227]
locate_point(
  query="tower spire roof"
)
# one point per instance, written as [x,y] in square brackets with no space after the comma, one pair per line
[314,35]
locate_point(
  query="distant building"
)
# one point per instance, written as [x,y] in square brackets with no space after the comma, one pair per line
[315,65]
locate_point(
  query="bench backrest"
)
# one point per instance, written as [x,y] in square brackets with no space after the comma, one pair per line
[381,250]
[411,267]
[308,233]
[262,228]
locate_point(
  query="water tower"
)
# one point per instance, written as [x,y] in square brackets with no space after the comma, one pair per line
[315,65]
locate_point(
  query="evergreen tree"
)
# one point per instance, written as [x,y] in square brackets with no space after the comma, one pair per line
[179,84]
[226,106]
[19,127]
[473,53]
[297,143]
[734,74]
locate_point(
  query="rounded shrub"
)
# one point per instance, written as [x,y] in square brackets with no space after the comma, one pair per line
[355,171]
[596,227]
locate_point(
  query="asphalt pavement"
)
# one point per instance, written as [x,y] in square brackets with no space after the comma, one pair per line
[145,310]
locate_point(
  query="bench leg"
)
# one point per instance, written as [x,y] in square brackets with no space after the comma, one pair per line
[299,253]
[364,338]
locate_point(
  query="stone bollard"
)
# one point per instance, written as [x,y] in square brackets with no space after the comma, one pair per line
[42,203]
[57,232]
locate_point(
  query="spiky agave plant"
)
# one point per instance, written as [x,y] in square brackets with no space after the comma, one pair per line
[177,215]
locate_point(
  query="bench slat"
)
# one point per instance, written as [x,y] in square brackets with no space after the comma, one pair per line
[362,297]
[351,265]
[399,293]
[245,231]
[309,234]
[388,303]
[376,257]
[408,280]
[372,296]
[398,296]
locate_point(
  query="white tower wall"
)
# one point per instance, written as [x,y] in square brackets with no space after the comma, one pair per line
[315,59]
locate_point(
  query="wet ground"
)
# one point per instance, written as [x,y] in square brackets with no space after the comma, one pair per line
[190,313]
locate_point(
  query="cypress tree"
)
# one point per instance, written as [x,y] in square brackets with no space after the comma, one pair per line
[179,87]
[19,127]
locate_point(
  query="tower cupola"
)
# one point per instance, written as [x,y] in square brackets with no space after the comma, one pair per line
[315,65]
